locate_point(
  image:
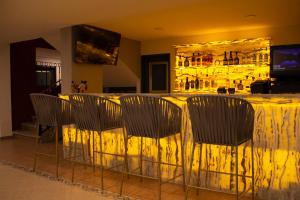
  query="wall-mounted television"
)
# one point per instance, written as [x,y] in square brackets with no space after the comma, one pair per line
[94,45]
[285,61]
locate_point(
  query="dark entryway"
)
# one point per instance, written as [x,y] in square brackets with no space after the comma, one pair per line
[155,73]
[27,77]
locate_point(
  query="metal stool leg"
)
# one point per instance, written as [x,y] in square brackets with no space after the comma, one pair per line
[159,168]
[141,159]
[125,165]
[101,161]
[56,151]
[36,146]
[126,153]
[182,161]
[190,172]
[74,158]
[94,164]
[70,143]
[252,162]
[199,169]
[236,172]
[82,147]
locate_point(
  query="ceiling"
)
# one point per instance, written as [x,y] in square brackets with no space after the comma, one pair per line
[144,19]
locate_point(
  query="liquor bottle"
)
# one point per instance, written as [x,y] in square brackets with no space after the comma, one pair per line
[197,83]
[228,83]
[181,85]
[186,62]
[209,59]
[204,58]
[254,58]
[201,84]
[259,77]
[260,58]
[177,83]
[266,58]
[225,61]
[187,84]
[240,85]
[234,85]
[212,83]
[247,82]
[199,59]
[236,60]
[230,60]
[193,60]
[207,82]
[192,84]
[180,61]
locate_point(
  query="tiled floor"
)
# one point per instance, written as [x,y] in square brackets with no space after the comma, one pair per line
[20,149]
[14,186]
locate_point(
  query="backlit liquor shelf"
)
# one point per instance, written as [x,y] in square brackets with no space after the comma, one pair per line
[226,66]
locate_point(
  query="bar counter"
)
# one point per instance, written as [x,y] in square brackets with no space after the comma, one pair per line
[276,149]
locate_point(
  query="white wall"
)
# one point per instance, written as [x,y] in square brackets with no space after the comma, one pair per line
[118,76]
[127,72]
[66,58]
[54,38]
[5,97]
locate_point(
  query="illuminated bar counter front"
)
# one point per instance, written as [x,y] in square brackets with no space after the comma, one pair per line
[276,149]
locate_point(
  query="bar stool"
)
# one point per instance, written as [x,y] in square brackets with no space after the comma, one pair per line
[151,117]
[221,120]
[95,114]
[50,111]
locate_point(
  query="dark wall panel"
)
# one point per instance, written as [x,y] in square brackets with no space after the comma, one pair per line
[23,80]
[146,59]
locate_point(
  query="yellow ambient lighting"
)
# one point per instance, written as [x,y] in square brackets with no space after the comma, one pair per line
[205,64]
[276,140]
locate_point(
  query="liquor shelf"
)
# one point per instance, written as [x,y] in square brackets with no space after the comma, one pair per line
[233,65]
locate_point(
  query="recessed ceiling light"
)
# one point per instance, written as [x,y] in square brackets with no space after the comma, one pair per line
[158,28]
[251,16]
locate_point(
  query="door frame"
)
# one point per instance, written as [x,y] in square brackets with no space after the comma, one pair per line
[145,70]
[150,77]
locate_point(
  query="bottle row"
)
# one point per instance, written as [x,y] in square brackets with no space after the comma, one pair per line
[211,82]
[229,58]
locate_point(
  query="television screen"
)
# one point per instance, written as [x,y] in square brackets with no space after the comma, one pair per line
[285,61]
[94,45]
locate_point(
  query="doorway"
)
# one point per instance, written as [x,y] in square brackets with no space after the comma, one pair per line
[155,73]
